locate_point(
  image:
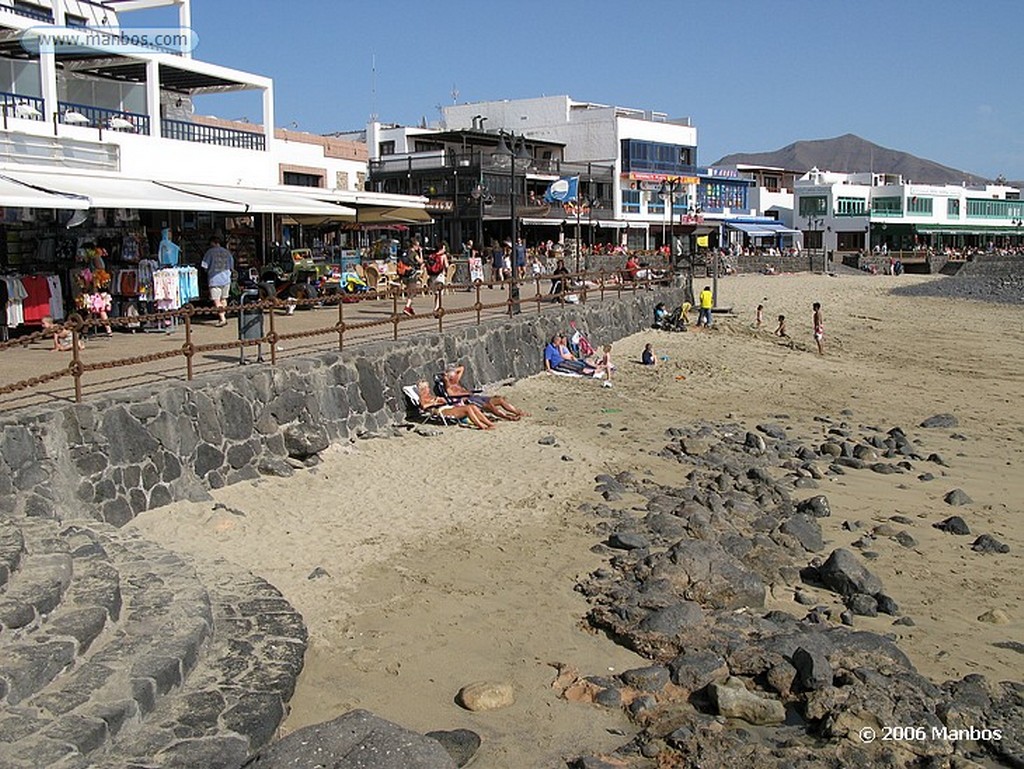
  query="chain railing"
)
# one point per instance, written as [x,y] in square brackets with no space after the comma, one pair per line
[548,290]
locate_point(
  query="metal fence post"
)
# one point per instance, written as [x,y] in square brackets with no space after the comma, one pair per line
[341,322]
[272,336]
[188,347]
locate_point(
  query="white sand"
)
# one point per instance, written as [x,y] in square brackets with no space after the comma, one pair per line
[453,558]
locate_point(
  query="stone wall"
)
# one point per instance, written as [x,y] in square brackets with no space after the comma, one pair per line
[115,456]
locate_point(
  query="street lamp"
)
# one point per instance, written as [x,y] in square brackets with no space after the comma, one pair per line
[509,150]
[813,225]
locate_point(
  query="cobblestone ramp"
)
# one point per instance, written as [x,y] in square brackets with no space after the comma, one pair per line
[115,652]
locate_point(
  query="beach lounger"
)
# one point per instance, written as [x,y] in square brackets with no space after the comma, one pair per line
[430,413]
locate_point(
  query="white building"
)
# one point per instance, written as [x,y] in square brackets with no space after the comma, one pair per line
[646,149]
[849,213]
[111,127]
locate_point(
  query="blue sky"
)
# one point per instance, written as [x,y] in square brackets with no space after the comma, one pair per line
[940,79]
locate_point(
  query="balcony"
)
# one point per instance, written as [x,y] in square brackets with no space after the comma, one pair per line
[36,13]
[21,106]
[206,134]
[476,162]
[100,117]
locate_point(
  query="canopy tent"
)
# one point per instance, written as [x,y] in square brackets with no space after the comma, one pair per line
[368,207]
[779,228]
[18,194]
[110,192]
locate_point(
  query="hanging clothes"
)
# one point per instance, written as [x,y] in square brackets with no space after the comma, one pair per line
[37,301]
[56,298]
[16,295]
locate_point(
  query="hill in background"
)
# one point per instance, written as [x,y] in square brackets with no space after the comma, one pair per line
[852,154]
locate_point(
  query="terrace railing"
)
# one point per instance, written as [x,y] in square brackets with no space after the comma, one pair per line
[87,115]
[21,106]
[205,134]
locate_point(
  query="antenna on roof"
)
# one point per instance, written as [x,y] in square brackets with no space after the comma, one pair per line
[373,88]
[455,94]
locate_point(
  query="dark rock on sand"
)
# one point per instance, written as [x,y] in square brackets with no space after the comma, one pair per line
[953,525]
[957,497]
[986,543]
[652,678]
[941,420]
[356,740]
[625,540]
[804,530]
[460,744]
[863,605]
[813,670]
[846,575]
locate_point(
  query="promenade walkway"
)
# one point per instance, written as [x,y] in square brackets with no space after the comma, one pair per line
[21,363]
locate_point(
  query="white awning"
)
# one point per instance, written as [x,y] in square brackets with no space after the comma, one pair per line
[256,200]
[115,192]
[15,194]
[529,222]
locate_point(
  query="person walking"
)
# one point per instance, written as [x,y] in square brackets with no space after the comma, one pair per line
[218,263]
[520,258]
[706,301]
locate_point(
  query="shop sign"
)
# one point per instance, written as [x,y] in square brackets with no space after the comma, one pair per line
[435,204]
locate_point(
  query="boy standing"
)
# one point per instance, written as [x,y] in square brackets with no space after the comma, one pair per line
[819,328]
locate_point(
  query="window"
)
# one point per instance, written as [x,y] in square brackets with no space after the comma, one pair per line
[341,180]
[75,21]
[295,179]
[887,206]
[631,201]
[995,209]
[771,183]
[715,196]
[425,146]
[813,238]
[918,205]
[360,180]
[813,205]
[32,11]
[851,206]
[656,157]
[953,208]
[655,205]
[386,148]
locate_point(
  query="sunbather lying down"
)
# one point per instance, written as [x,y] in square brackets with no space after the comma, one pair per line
[454,392]
[451,410]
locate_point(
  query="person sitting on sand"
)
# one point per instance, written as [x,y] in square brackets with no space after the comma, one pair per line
[449,410]
[61,336]
[781,330]
[497,405]
[647,357]
[554,360]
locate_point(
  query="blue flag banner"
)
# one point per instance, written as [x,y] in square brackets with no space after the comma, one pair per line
[563,190]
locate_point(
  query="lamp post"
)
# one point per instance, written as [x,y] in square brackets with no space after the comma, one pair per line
[813,223]
[511,151]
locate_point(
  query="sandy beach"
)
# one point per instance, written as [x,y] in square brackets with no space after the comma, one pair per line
[451,558]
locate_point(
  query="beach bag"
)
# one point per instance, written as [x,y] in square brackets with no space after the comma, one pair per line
[435,264]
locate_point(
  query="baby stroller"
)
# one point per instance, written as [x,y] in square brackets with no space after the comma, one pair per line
[670,321]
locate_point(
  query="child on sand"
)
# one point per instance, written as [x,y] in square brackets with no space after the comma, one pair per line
[818,321]
[604,363]
[781,330]
[647,357]
[61,336]
[759,316]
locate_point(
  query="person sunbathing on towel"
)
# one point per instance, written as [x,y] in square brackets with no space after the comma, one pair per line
[451,410]
[497,405]
[554,360]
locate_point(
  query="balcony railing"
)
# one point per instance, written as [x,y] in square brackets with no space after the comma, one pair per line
[483,161]
[21,106]
[100,117]
[206,134]
[41,15]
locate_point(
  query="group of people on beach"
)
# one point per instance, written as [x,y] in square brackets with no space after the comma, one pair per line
[453,400]
[817,324]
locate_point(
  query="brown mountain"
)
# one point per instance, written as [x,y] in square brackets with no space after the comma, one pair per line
[852,154]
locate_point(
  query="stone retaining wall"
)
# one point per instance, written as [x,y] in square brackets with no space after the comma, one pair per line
[115,456]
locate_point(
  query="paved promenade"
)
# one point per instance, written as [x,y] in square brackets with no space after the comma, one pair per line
[36,359]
